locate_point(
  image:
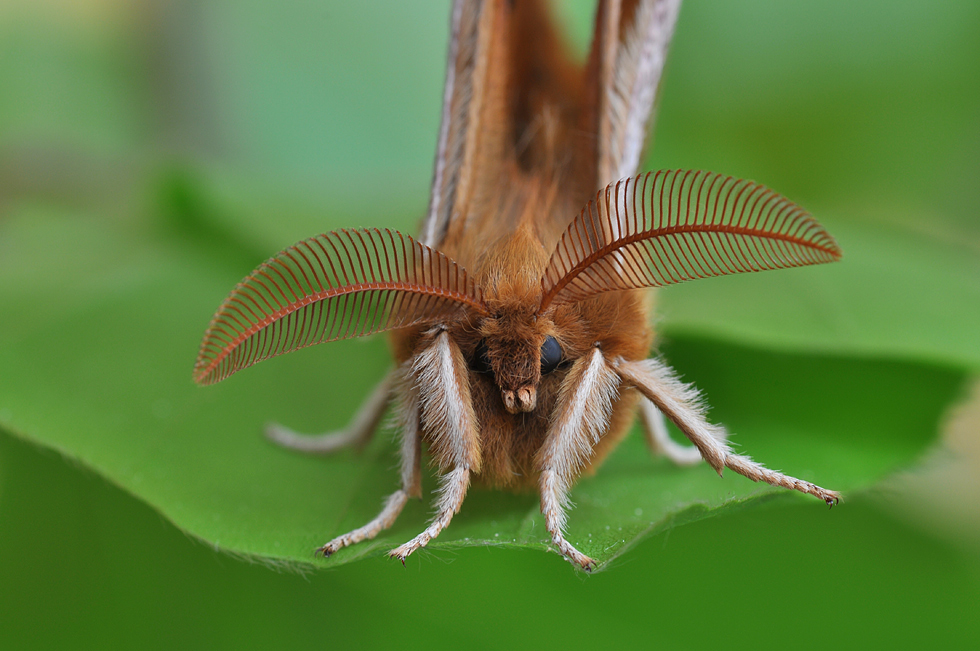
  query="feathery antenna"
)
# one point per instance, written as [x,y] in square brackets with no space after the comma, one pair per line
[337,285]
[667,227]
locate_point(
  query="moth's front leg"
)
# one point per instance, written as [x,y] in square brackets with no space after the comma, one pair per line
[356,435]
[402,385]
[680,403]
[447,416]
[581,418]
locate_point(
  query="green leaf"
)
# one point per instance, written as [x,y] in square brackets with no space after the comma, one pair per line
[97,365]
[112,569]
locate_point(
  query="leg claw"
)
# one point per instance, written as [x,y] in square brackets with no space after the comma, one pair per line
[398,558]
[400,554]
[403,552]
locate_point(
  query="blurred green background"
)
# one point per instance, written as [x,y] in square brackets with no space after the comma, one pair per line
[151,152]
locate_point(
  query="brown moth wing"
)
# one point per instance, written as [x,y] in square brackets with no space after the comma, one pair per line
[462,98]
[513,130]
[626,64]
[528,134]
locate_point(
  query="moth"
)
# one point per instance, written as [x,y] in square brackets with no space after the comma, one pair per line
[519,319]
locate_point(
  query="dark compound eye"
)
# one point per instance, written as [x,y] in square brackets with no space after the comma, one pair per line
[480,363]
[550,355]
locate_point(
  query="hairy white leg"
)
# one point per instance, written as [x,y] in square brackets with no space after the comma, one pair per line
[451,493]
[446,410]
[658,438]
[411,475]
[680,403]
[356,435]
[581,418]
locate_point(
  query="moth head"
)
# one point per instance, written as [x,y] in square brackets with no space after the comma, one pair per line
[517,351]
[512,346]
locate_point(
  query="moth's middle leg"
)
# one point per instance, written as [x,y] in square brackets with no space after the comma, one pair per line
[658,439]
[356,435]
[411,475]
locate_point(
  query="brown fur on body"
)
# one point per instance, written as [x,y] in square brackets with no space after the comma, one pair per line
[509,271]
[532,168]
